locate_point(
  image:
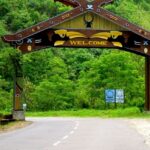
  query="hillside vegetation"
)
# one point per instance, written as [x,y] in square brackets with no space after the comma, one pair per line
[60,79]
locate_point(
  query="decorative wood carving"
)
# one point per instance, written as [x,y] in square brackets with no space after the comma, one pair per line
[81,6]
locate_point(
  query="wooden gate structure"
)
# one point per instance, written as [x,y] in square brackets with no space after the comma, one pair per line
[86,25]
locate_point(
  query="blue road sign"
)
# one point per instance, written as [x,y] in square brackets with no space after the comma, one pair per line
[119,96]
[110,95]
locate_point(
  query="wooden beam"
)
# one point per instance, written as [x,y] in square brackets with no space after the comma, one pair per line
[122,22]
[102,2]
[147,83]
[44,25]
[68,2]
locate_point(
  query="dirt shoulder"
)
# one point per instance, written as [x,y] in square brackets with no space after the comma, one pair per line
[13,126]
[143,127]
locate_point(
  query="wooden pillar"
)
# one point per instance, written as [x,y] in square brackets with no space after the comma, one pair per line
[18,89]
[147,83]
[18,112]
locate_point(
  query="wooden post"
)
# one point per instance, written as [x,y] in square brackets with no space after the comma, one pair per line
[18,112]
[147,83]
[17,104]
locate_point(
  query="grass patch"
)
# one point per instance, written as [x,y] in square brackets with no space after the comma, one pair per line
[2,113]
[13,126]
[133,112]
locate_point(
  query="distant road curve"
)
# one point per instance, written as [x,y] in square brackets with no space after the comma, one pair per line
[74,134]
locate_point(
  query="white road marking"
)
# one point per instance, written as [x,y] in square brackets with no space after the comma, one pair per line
[71,132]
[75,128]
[77,123]
[65,137]
[56,144]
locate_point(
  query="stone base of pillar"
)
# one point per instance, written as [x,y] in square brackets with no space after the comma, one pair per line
[19,115]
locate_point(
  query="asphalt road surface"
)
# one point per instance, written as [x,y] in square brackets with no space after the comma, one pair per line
[74,134]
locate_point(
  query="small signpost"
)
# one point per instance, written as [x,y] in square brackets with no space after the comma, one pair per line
[110,96]
[120,96]
[114,96]
[24,106]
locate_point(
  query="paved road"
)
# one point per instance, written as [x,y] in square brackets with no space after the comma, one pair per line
[74,134]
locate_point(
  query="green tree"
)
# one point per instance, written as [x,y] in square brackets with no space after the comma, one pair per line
[112,71]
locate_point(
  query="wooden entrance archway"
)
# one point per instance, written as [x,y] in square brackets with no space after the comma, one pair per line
[88,24]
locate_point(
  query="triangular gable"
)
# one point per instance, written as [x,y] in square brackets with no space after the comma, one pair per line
[97,22]
[92,6]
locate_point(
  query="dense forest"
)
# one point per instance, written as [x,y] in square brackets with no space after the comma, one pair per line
[63,78]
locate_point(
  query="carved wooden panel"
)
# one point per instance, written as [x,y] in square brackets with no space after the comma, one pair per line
[85,38]
[89,25]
